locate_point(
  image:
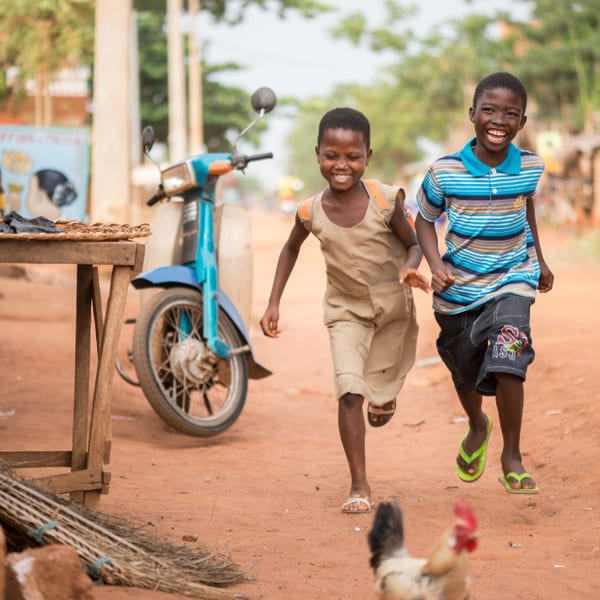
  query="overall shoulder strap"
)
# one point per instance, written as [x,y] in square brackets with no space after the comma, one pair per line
[376,193]
[304,209]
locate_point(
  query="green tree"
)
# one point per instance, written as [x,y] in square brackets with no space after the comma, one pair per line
[423,93]
[232,11]
[427,89]
[225,108]
[41,37]
[558,57]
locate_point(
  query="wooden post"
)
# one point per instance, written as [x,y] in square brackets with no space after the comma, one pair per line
[111,164]
[177,113]
[195,79]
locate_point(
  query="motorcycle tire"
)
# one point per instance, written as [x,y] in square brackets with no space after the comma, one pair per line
[192,389]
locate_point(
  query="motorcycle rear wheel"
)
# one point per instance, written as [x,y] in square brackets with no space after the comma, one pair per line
[188,386]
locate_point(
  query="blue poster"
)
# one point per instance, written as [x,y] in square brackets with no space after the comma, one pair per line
[44,171]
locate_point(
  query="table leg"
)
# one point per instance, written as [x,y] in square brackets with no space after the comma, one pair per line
[100,428]
[82,371]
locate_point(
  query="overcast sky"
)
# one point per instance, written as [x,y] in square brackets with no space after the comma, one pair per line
[298,57]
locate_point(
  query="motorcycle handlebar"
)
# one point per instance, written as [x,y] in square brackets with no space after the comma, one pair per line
[240,161]
[260,156]
[158,196]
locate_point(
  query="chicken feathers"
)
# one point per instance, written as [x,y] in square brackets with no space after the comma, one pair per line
[441,576]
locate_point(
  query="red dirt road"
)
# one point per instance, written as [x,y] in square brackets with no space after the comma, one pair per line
[268,490]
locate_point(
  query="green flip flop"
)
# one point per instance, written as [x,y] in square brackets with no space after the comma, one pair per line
[479,455]
[503,479]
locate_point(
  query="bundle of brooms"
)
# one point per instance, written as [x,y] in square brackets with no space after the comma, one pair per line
[112,551]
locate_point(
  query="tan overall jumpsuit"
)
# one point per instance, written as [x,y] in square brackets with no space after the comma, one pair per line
[370,317]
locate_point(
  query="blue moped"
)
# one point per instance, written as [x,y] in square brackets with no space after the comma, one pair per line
[191,349]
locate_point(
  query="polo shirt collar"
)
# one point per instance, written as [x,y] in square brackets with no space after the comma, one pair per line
[511,165]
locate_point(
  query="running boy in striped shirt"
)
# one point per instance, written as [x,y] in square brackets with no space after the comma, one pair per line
[486,280]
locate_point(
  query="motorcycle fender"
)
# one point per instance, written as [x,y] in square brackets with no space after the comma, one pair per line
[255,369]
[182,275]
[166,277]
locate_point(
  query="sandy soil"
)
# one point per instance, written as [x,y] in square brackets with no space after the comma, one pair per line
[268,490]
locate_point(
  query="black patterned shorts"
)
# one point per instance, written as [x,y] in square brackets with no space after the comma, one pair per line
[492,338]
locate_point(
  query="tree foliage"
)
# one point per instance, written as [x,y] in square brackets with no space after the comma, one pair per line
[41,37]
[225,108]
[232,11]
[51,33]
[560,59]
[428,87]
[423,93]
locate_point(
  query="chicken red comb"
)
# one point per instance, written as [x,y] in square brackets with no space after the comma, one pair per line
[465,513]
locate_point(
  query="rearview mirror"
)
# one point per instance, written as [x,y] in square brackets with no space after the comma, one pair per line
[263,100]
[148,138]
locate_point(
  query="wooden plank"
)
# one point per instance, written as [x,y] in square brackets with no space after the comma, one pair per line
[140,252]
[100,420]
[82,366]
[124,253]
[97,307]
[77,481]
[107,446]
[36,458]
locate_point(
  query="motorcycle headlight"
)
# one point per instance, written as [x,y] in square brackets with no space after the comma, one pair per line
[177,179]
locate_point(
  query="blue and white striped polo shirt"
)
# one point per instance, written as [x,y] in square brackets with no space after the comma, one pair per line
[489,244]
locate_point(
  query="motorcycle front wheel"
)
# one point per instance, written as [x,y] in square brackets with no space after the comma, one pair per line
[191,388]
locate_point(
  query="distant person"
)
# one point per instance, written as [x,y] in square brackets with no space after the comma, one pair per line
[371,257]
[288,188]
[486,281]
[3,201]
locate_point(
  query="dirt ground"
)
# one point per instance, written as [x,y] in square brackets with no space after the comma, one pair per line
[268,491]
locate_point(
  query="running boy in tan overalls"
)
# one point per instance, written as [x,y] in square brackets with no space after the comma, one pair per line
[371,255]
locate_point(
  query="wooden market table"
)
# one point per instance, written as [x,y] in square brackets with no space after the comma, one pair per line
[91,436]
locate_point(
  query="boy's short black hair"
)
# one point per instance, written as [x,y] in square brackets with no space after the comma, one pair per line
[345,118]
[502,79]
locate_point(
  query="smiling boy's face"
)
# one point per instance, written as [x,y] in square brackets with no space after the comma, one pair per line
[497,117]
[343,156]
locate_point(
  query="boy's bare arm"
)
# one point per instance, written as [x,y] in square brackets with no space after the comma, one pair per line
[405,233]
[411,275]
[441,276]
[285,264]
[546,280]
[400,225]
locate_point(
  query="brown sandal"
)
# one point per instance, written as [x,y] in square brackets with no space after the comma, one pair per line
[380,415]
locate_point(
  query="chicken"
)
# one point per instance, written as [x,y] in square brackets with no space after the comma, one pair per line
[442,576]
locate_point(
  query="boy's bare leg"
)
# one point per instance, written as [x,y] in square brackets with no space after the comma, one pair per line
[509,399]
[472,403]
[351,425]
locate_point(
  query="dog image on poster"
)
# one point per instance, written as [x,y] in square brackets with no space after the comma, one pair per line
[49,191]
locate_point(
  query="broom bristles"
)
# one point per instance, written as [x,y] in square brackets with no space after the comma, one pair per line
[112,550]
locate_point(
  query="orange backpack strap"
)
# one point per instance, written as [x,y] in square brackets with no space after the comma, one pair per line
[376,193]
[380,200]
[304,209]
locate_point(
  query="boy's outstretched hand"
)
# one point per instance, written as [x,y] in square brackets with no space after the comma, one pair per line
[269,322]
[413,278]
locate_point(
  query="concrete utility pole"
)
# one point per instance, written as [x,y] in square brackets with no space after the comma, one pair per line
[110,189]
[195,79]
[177,112]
